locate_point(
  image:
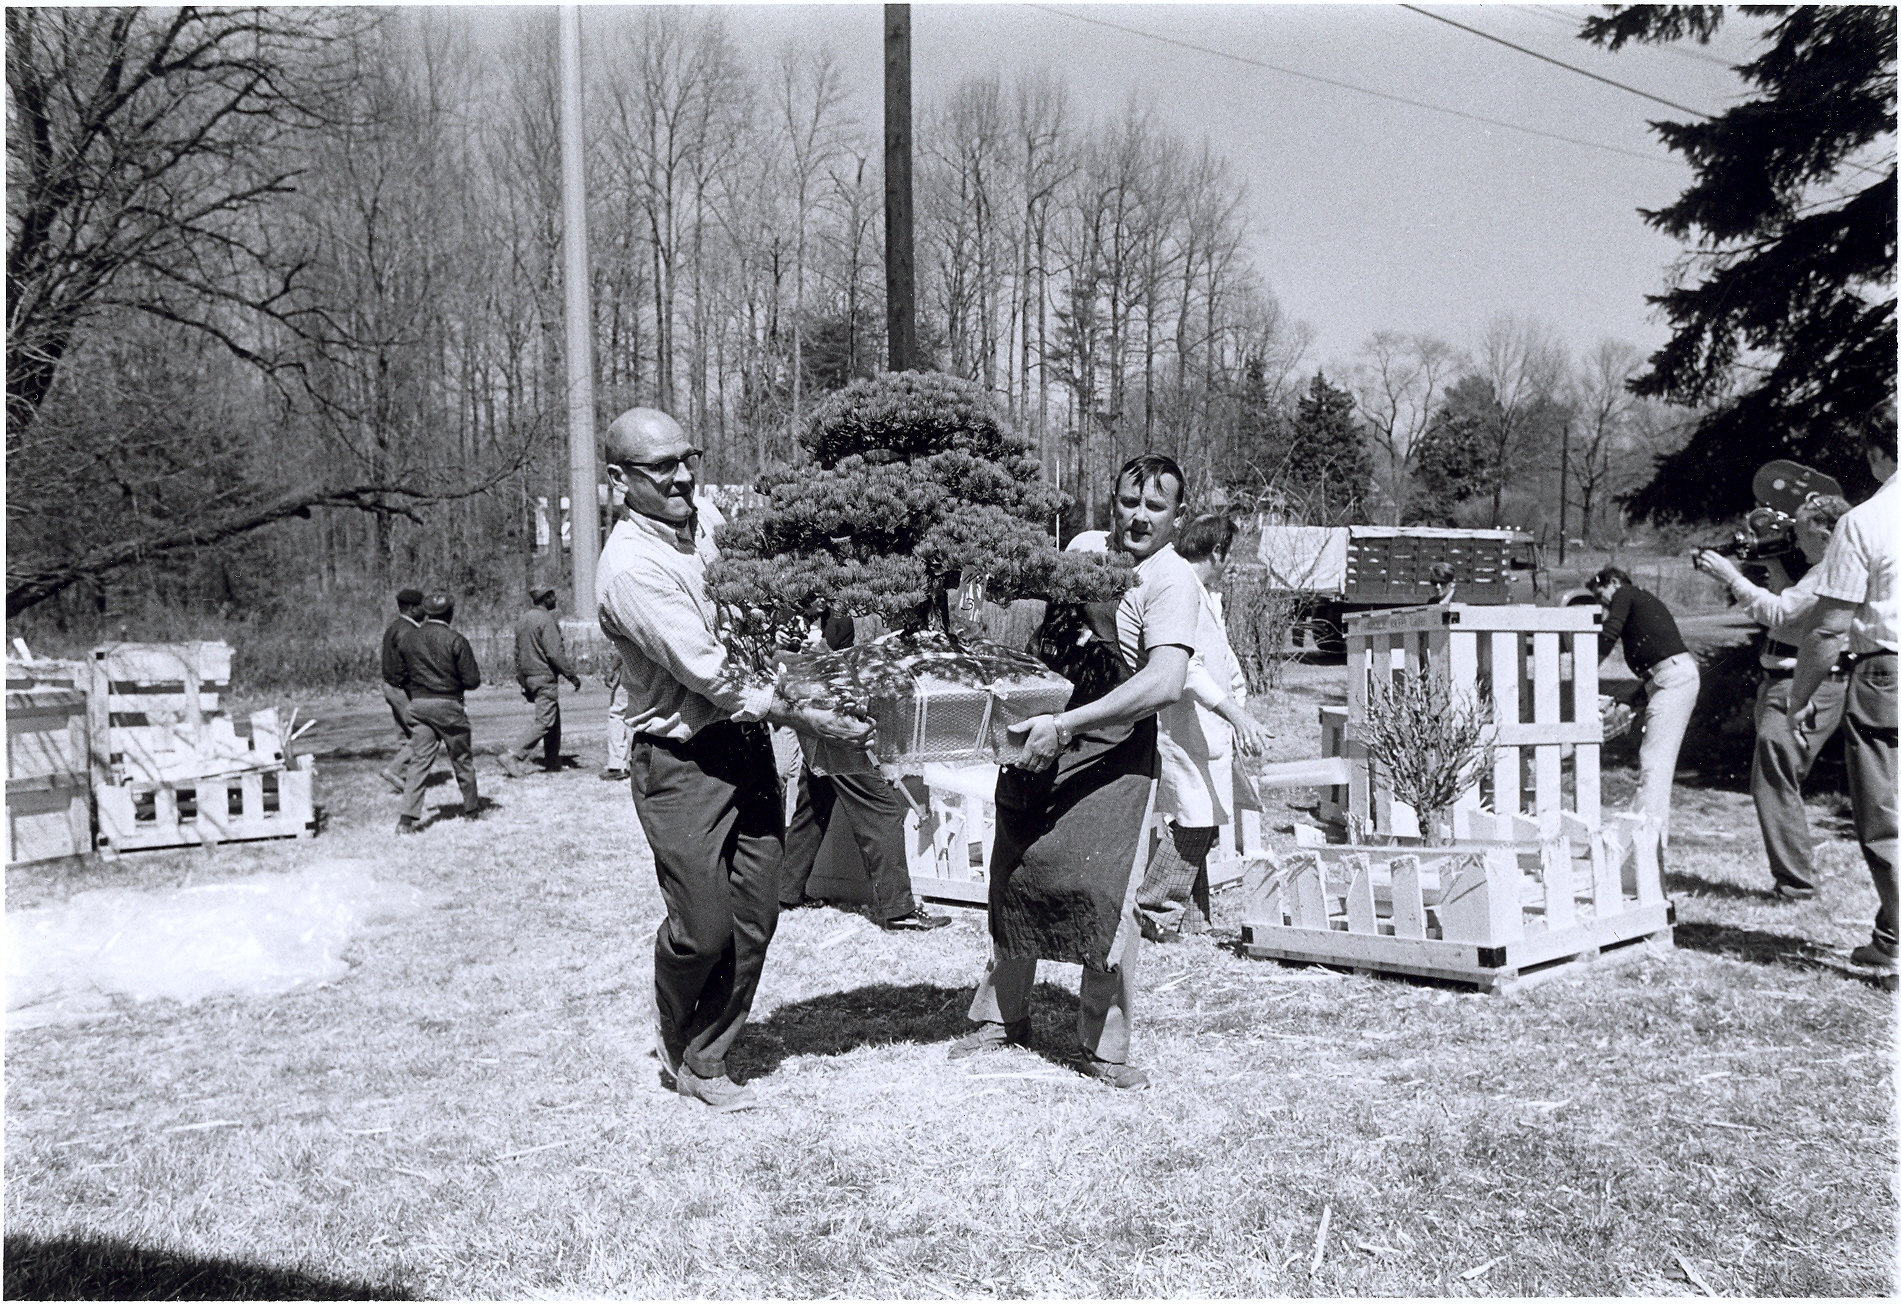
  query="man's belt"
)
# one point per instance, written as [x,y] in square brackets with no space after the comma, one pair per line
[1837,671]
[1853,659]
[1772,648]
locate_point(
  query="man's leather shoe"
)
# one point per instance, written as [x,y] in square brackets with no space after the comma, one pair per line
[614,776]
[991,1036]
[720,1094]
[405,825]
[1783,892]
[803,903]
[512,765]
[915,922]
[1874,956]
[395,781]
[1124,1077]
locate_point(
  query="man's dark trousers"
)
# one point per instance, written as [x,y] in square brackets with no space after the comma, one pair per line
[438,722]
[713,816]
[546,730]
[874,810]
[1871,783]
[1775,776]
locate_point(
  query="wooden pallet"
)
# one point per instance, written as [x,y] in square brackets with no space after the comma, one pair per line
[1537,666]
[255,804]
[49,784]
[1486,914]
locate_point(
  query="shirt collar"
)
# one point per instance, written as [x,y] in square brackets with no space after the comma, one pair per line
[660,531]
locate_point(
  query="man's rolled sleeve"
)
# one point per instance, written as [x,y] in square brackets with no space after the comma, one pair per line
[1844,570]
[666,625]
[1792,606]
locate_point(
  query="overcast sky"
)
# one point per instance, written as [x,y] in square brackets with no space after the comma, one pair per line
[1367,214]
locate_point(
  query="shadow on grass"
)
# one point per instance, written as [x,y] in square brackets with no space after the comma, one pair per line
[76,1267]
[885,1014]
[1750,944]
[1677,883]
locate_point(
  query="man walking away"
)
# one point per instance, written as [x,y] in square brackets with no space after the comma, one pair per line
[1656,654]
[541,660]
[704,784]
[438,667]
[620,739]
[1784,752]
[874,811]
[408,617]
[1856,597]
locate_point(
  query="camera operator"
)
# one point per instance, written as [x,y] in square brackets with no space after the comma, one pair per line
[1656,654]
[1784,749]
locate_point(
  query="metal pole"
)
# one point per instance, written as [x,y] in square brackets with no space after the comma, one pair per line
[1564,480]
[900,278]
[583,496]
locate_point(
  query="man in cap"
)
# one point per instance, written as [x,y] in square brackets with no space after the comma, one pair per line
[408,617]
[703,778]
[541,659]
[437,666]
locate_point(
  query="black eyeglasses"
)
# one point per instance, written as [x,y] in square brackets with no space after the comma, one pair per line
[666,468]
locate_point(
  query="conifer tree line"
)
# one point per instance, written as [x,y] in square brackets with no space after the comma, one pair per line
[285,301]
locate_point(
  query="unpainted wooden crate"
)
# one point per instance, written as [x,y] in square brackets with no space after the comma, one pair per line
[275,802]
[1492,914]
[1538,668]
[49,780]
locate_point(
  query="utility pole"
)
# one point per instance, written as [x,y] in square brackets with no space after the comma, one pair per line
[1564,482]
[584,513]
[900,277]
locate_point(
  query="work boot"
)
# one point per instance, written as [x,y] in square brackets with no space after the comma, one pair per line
[1124,1077]
[512,765]
[406,824]
[721,1094]
[989,1037]
[1875,956]
[914,922]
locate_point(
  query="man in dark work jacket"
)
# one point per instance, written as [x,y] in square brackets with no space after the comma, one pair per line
[1656,654]
[541,659]
[438,667]
[874,811]
[408,617]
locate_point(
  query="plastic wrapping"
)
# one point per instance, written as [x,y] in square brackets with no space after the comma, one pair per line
[258,936]
[935,700]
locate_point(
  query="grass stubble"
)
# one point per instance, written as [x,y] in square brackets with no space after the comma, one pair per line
[472,1112]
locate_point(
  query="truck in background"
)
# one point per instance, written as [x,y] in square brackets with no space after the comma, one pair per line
[1338,570]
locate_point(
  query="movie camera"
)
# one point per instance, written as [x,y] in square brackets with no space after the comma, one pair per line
[1767,534]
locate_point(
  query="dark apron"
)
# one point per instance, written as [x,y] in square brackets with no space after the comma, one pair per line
[1068,838]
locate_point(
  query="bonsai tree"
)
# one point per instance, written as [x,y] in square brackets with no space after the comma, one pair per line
[1429,743]
[913,477]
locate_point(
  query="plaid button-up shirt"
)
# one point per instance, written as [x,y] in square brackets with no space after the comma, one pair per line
[655,608]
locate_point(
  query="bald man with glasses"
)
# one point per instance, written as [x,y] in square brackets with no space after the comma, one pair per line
[701,765]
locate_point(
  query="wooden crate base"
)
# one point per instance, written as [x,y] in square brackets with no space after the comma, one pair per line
[1498,970]
[125,825]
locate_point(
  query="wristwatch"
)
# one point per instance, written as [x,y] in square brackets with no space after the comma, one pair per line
[1063,735]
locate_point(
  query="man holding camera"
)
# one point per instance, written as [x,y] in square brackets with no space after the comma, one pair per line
[1785,750]
[1857,603]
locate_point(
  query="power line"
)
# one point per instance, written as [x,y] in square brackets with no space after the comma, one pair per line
[1348,86]
[1570,23]
[1568,67]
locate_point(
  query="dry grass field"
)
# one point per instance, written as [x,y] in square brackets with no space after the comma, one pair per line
[471,1112]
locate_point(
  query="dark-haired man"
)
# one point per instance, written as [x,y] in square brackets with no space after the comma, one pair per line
[705,787]
[1858,601]
[1072,815]
[408,617]
[541,662]
[1656,654]
[1784,750]
[437,666]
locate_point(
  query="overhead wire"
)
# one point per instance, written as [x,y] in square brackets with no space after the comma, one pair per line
[1560,63]
[1349,86]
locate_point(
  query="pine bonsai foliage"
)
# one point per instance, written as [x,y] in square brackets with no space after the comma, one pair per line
[913,475]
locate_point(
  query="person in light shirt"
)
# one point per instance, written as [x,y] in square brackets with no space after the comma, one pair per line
[1197,739]
[1857,604]
[1783,753]
[701,766]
